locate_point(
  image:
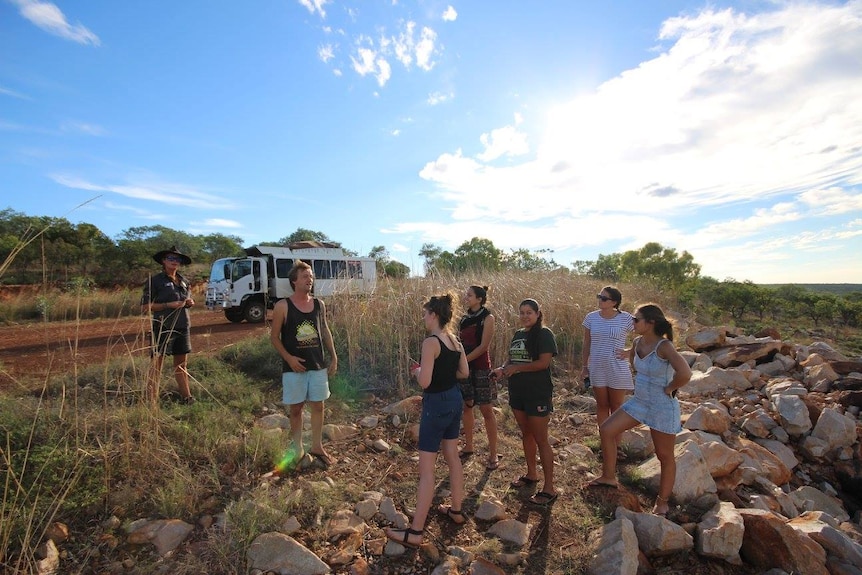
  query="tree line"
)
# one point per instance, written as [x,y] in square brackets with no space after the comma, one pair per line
[53,251]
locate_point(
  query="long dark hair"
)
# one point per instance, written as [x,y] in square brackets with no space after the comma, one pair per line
[661,325]
[532,341]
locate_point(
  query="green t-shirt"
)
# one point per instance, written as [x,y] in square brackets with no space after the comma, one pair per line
[518,353]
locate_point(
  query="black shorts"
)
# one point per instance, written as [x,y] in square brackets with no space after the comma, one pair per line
[478,387]
[535,401]
[170,341]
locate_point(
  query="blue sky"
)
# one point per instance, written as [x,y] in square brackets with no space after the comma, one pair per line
[732,130]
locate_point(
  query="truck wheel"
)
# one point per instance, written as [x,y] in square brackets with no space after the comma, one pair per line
[233,315]
[255,312]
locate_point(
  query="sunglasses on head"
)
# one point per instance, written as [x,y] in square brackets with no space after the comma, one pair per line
[603,297]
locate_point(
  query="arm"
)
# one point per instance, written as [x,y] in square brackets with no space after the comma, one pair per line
[487,336]
[632,353]
[279,313]
[328,343]
[585,352]
[544,362]
[463,368]
[430,351]
[682,371]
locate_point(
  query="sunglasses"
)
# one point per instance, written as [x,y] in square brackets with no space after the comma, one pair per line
[603,297]
[173,259]
[638,319]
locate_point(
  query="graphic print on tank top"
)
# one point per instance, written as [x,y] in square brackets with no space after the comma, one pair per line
[306,335]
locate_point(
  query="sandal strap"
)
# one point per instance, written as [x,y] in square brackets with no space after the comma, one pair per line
[453,512]
[411,531]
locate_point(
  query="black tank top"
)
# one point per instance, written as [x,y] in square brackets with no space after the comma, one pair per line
[300,336]
[445,368]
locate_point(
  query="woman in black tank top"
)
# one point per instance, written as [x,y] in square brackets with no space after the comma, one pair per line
[443,362]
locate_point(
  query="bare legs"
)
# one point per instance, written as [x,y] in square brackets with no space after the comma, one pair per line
[534,438]
[664,451]
[664,443]
[608,400]
[154,376]
[425,490]
[490,428]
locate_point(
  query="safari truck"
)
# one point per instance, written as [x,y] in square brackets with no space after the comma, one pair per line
[245,287]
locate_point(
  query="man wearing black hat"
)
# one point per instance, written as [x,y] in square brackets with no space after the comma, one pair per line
[168,298]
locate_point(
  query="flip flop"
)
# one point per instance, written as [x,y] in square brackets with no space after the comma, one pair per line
[495,464]
[523,481]
[597,483]
[543,498]
[402,536]
[324,458]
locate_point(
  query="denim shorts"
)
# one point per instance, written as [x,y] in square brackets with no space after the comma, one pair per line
[311,385]
[441,418]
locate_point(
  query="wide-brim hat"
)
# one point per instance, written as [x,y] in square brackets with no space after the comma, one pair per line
[159,256]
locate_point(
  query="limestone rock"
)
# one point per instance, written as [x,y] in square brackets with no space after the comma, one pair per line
[511,530]
[282,554]
[720,533]
[656,535]
[692,473]
[616,546]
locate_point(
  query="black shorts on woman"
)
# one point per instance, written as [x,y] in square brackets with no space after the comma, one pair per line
[531,391]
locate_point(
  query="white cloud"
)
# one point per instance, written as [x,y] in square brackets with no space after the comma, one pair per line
[395,132]
[315,6]
[160,192]
[438,98]
[221,223]
[425,49]
[450,15]
[83,128]
[326,53]
[734,109]
[13,94]
[50,18]
[506,141]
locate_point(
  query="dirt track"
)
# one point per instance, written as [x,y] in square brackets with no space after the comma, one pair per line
[34,350]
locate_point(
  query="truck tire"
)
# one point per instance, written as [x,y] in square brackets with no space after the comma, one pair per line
[233,315]
[255,312]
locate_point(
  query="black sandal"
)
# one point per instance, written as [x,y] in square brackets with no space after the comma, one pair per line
[456,517]
[403,539]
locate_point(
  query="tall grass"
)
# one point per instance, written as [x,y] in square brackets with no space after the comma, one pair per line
[378,335]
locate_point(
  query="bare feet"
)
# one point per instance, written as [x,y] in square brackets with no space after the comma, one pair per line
[660,507]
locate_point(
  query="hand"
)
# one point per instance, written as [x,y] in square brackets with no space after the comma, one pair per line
[621,354]
[495,374]
[295,364]
[189,302]
[414,369]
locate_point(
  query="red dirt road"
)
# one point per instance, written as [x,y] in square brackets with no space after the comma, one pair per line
[35,350]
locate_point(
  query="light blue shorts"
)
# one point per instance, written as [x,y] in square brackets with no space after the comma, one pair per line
[312,385]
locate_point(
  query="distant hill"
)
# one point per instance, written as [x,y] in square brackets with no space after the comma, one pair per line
[837,289]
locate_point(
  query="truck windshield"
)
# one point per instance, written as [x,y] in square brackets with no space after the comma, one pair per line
[221,270]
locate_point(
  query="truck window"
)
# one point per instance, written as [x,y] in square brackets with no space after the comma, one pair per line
[282,268]
[339,269]
[354,270]
[241,269]
[321,269]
